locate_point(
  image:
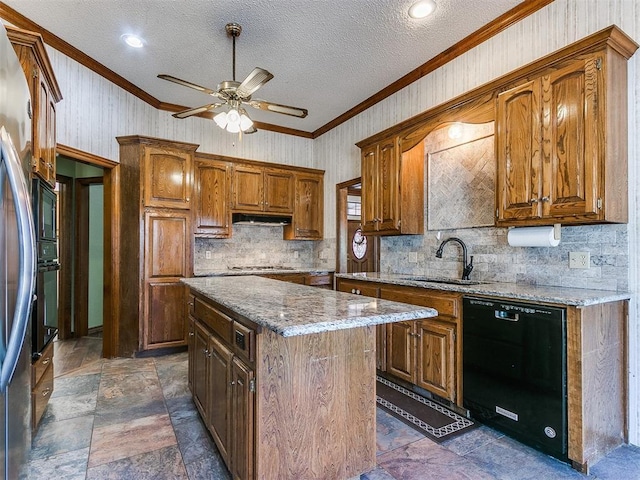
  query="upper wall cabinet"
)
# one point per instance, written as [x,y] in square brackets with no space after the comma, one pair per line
[259,189]
[167,177]
[212,189]
[307,222]
[561,144]
[45,93]
[392,188]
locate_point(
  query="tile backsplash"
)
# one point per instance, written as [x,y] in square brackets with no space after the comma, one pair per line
[495,260]
[252,245]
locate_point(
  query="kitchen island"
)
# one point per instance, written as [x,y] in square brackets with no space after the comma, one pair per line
[284,374]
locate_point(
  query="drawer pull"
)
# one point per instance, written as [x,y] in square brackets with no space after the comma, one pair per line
[46,361]
[46,392]
[232,383]
[191,334]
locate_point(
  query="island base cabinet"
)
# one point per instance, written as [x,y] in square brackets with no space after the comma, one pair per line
[242,408]
[315,405]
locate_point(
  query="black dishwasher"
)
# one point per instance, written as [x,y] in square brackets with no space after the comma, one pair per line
[514,370]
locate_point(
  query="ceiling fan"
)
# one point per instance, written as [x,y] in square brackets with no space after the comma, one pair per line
[235,95]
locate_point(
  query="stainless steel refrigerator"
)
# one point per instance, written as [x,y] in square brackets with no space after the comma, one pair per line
[17,263]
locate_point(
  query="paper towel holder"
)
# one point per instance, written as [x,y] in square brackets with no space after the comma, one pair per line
[556,231]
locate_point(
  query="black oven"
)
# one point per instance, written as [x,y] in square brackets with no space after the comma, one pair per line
[44,322]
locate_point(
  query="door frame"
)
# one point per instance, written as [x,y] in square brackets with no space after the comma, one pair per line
[110,180]
[65,254]
[342,228]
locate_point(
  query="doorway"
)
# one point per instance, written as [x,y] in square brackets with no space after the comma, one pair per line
[355,251]
[84,226]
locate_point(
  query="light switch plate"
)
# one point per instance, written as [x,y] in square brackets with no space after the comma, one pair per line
[579,260]
[207,254]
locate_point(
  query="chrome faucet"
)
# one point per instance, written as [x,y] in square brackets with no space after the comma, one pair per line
[466,267]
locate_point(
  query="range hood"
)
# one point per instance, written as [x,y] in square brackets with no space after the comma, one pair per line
[258,219]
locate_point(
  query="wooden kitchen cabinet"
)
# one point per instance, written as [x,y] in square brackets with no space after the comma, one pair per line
[224,388]
[392,188]
[167,177]
[307,222]
[154,215]
[561,151]
[45,93]
[313,279]
[259,189]
[426,353]
[41,385]
[212,190]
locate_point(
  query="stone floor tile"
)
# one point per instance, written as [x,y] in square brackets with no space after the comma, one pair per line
[207,468]
[426,460]
[125,366]
[194,440]
[622,463]
[508,459]
[128,409]
[77,384]
[391,433]
[68,466]
[54,438]
[162,464]
[472,440]
[182,409]
[71,406]
[378,473]
[118,441]
[173,378]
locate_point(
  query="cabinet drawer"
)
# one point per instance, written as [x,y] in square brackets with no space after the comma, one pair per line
[41,365]
[444,304]
[359,288]
[40,396]
[244,339]
[217,321]
[315,280]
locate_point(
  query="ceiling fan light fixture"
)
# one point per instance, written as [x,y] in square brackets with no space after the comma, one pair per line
[245,122]
[422,9]
[221,119]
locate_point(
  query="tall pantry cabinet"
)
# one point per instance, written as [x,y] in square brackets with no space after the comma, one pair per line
[155,212]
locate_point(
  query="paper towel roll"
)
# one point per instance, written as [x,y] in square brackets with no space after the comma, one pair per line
[532,237]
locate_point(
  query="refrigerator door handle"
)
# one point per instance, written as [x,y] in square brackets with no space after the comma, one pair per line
[26,282]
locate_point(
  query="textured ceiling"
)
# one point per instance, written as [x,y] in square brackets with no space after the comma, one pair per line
[326,55]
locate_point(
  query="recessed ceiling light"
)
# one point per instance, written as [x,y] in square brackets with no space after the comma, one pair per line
[133,40]
[422,8]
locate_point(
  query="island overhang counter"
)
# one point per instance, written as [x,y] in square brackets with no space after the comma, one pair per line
[284,374]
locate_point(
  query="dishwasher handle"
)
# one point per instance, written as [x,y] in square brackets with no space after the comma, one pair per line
[503,315]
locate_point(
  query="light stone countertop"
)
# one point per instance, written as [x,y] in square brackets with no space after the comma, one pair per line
[254,271]
[290,309]
[534,293]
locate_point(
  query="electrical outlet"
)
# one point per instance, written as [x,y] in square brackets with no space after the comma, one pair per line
[207,254]
[296,254]
[413,257]
[579,260]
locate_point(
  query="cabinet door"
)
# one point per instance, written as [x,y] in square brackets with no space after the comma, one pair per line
[278,192]
[166,260]
[40,132]
[212,192]
[220,389]
[200,370]
[519,144]
[401,350]
[248,188]
[369,168]
[570,132]
[388,185]
[436,358]
[51,141]
[308,215]
[243,398]
[167,177]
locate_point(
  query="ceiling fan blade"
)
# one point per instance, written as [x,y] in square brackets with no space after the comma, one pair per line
[195,111]
[277,108]
[184,83]
[253,82]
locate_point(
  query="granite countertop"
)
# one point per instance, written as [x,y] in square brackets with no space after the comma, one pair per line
[546,294]
[256,271]
[291,309]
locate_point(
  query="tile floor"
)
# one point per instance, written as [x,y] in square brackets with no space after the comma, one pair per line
[134,419]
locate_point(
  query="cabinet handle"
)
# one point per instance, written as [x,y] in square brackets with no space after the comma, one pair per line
[191,304]
[545,199]
[46,361]
[187,199]
[191,334]
[353,290]
[534,200]
[232,383]
[46,392]
[358,292]
[207,353]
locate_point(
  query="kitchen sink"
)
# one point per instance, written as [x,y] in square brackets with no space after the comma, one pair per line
[450,281]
